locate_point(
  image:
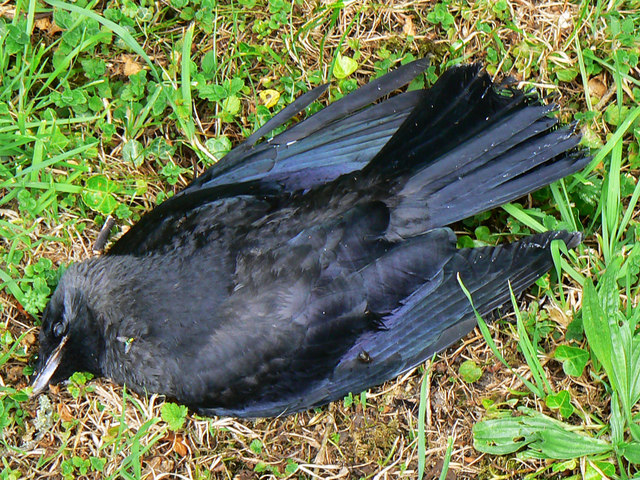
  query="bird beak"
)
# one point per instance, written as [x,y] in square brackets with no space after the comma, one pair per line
[42,378]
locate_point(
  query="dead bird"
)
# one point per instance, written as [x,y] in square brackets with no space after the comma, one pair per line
[319,262]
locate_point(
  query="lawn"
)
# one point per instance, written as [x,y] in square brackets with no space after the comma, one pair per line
[108,108]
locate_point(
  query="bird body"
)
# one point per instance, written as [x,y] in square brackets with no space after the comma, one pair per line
[318,263]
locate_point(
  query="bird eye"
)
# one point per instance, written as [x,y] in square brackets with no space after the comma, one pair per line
[60,328]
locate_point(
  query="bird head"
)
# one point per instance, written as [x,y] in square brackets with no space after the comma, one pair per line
[69,338]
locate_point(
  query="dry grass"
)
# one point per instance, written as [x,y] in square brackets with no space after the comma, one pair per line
[336,441]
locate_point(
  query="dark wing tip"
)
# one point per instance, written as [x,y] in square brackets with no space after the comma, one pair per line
[543,240]
[572,239]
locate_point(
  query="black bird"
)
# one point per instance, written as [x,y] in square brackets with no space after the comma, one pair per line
[319,262]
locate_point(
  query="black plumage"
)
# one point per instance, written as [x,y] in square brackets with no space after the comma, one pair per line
[317,263]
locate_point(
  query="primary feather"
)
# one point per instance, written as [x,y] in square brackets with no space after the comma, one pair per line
[319,262]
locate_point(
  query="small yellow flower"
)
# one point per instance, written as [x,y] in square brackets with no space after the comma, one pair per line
[269,97]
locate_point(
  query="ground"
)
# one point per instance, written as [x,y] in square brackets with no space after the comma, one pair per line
[80,109]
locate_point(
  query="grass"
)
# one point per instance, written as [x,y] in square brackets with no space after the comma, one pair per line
[107,111]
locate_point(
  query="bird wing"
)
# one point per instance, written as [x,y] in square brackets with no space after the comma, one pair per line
[186,219]
[307,340]
[341,138]
[455,150]
[338,139]
[295,309]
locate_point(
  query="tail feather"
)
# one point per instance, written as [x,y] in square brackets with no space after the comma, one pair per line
[512,131]
[469,147]
[518,172]
[462,104]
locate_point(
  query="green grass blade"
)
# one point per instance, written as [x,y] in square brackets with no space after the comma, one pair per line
[611,202]
[185,85]
[608,147]
[557,263]
[422,408]
[563,203]
[447,459]
[612,68]
[523,217]
[114,27]
[487,337]
[10,284]
[629,211]
[529,350]
[583,73]
[595,329]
